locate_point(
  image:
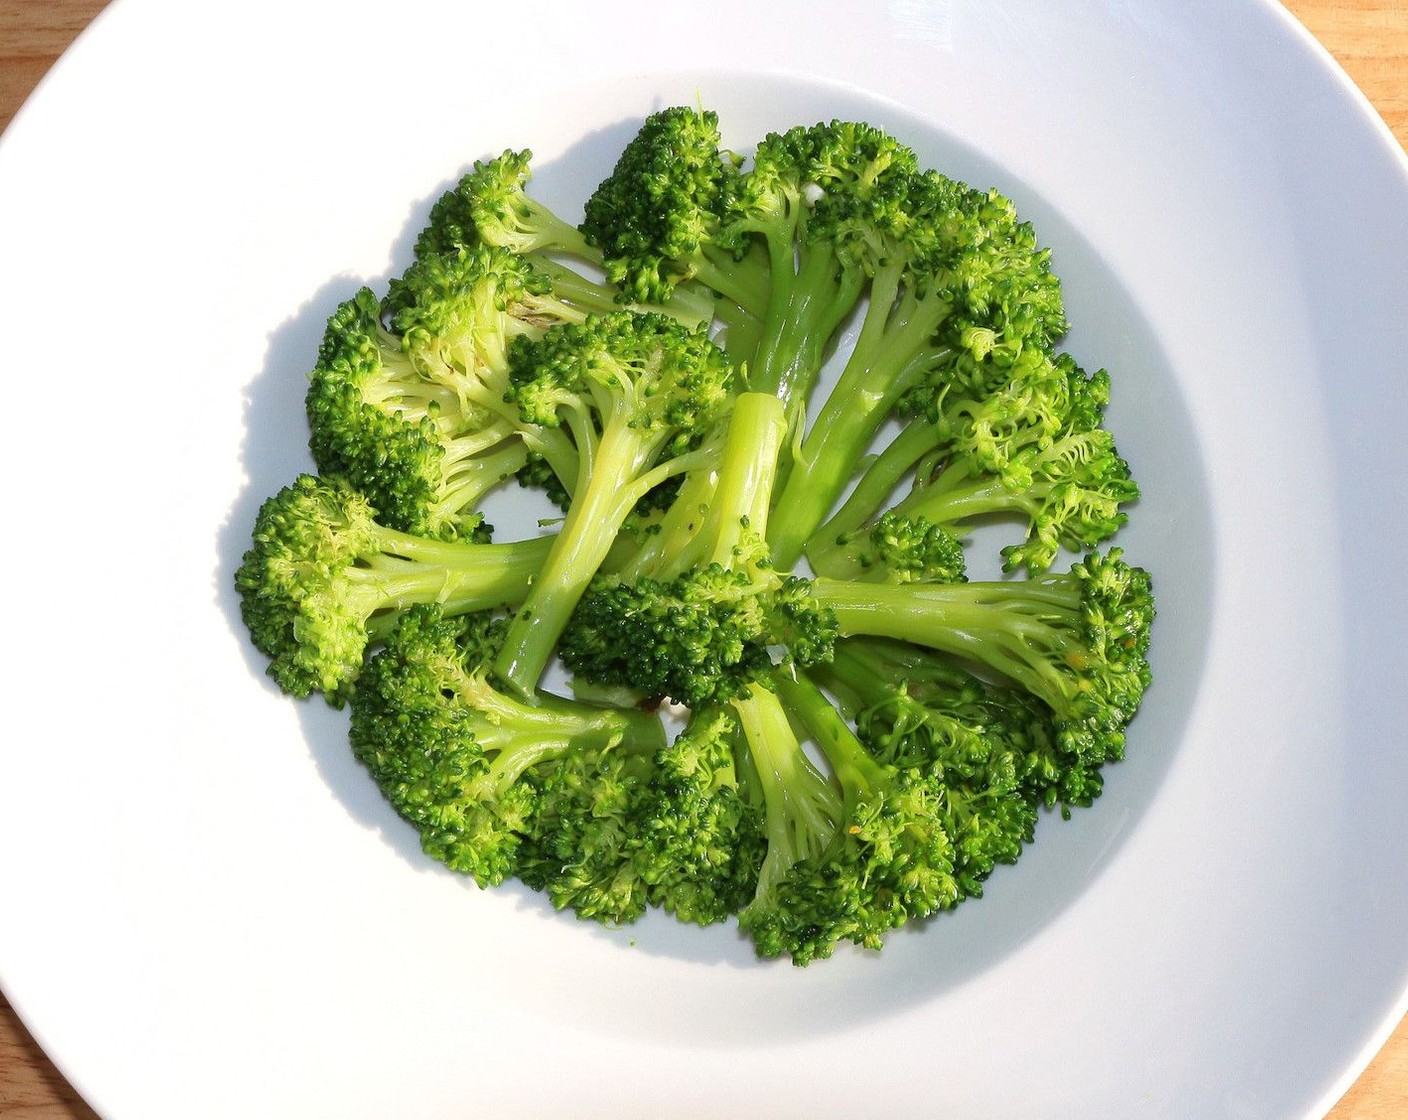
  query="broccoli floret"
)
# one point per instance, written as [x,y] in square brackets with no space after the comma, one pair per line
[955,272]
[486,778]
[802,809]
[701,839]
[406,400]
[491,206]
[323,580]
[697,613]
[1031,449]
[915,706]
[888,861]
[640,395]
[895,549]
[656,219]
[822,199]
[590,811]
[1075,640]
[983,744]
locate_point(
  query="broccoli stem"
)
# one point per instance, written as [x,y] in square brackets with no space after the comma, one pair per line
[892,351]
[598,510]
[714,510]
[469,479]
[948,501]
[549,233]
[851,764]
[743,282]
[688,304]
[1017,629]
[884,473]
[809,301]
[524,734]
[460,576]
[802,809]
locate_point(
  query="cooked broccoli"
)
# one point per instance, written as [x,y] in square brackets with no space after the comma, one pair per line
[698,611]
[802,809]
[997,742]
[894,548]
[407,398]
[323,580]
[955,273]
[486,777]
[888,860]
[824,199]
[1031,449]
[867,729]
[1076,640]
[490,205]
[641,396]
[701,840]
[656,220]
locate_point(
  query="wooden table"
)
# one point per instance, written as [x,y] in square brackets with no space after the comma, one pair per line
[1368,37]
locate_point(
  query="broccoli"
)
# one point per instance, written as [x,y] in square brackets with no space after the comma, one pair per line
[867,730]
[489,779]
[802,810]
[406,400]
[641,396]
[888,860]
[490,205]
[323,580]
[821,199]
[1031,449]
[954,272]
[701,840]
[1076,640]
[894,548]
[697,612]
[997,742]
[587,804]
[656,220]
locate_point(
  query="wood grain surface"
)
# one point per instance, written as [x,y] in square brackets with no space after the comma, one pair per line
[1369,38]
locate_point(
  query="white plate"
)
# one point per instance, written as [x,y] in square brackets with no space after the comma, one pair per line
[210,912]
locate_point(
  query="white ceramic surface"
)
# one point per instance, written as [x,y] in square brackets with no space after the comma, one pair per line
[210,911]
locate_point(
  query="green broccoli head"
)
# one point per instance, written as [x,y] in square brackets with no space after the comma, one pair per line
[456,313]
[979,743]
[888,861]
[491,206]
[987,263]
[1076,640]
[641,369]
[835,180]
[699,612]
[418,728]
[297,608]
[591,809]
[701,841]
[700,638]
[655,218]
[323,579]
[406,400]
[896,549]
[481,775]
